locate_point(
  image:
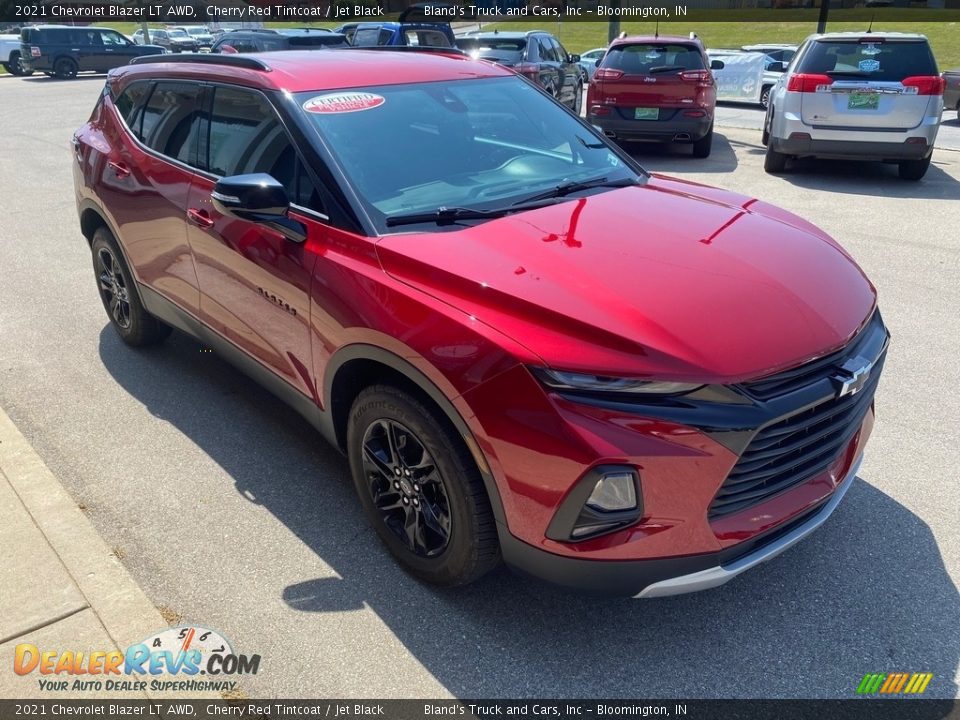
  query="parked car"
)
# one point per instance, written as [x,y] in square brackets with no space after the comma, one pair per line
[536,55]
[64,51]
[951,90]
[249,41]
[173,39]
[10,55]
[655,89]
[201,35]
[857,96]
[746,77]
[495,313]
[420,34]
[779,52]
[588,61]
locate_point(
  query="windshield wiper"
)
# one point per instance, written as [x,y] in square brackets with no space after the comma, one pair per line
[852,73]
[664,68]
[450,216]
[572,187]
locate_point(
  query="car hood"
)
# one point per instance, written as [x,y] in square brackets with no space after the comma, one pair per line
[670,279]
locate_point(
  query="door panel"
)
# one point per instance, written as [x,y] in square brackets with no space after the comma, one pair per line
[254,282]
[148,194]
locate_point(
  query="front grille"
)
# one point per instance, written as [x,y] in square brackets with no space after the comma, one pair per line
[801,445]
[811,372]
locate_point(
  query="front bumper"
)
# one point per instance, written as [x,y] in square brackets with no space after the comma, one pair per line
[671,576]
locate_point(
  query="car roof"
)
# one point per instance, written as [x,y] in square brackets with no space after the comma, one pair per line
[506,34]
[301,70]
[865,35]
[666,39]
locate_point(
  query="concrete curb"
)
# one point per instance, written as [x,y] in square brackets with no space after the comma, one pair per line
[112,594]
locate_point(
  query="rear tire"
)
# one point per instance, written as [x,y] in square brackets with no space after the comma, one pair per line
[420,488]
[774,162]
[765,96]
[15,66]
[118,292]
[65,69]
[914,169]
[702,147]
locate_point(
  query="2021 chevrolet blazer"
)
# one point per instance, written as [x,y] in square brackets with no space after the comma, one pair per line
[527,346]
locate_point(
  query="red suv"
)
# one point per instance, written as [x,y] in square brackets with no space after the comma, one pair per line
[527,347]
[656,88]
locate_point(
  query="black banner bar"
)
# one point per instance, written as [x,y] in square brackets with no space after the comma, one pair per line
[25,12]
[858,709]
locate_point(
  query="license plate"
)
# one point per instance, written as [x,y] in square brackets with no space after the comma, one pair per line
[646,113]
[863,101]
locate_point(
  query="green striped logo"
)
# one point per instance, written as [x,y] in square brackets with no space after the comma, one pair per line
[894,683]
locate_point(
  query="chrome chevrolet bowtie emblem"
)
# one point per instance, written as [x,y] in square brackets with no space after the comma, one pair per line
[853,375]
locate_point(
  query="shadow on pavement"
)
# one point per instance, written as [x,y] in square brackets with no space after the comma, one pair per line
[868,592]
[42,78]
[670,157]
[867,178]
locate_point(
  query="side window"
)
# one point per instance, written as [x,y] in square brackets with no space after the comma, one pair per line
[246,137]
[171,120]
[546,51]
[130,103]
[562,54]
[113,38]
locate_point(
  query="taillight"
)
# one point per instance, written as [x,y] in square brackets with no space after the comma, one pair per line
[227,49]
[530,70]
[599,110]
[805,83]
[608,74]
[35,51]
[702,78]
[925,84]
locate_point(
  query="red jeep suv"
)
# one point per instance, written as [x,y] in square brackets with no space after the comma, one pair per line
[527,346]
[655,89]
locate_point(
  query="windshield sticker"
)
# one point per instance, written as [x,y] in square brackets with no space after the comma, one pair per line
[869,66]
[343,102]
[871,49]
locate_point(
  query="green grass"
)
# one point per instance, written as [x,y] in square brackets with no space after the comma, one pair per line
[580,36]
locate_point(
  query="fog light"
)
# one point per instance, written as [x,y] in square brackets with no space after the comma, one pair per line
[614,491]
[604,500]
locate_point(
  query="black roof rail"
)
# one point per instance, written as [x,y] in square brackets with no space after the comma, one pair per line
[411,48]
[229,59]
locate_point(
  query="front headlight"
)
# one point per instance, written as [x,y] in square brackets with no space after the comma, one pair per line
[561,380]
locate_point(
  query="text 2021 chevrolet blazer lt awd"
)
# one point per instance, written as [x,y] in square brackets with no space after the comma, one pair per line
[528,347]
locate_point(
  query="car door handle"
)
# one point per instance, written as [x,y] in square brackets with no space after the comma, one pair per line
[119,169]
[200,218]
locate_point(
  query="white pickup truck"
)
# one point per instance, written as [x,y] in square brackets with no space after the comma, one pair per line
[10,55]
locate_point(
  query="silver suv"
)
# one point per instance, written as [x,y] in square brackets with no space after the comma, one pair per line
[859,96]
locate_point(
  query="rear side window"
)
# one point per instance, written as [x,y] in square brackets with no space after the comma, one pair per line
[246,137]
[875,60]
[426,38]
[504,49]
[130,103]
[171,120]
[367,37]
[642,59]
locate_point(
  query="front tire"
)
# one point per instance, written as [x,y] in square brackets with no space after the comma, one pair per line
[914,169]
[65,69]
[578,99]
[118,293]
[420,489]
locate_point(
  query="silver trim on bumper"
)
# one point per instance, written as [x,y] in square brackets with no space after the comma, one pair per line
[715,576]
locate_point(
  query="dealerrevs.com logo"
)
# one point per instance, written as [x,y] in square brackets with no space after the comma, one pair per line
[188,658]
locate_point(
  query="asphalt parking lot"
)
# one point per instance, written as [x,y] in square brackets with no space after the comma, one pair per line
[230,512]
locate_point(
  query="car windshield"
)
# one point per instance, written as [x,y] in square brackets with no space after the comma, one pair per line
[197,31]
[875,59]
[642,58]
[482,144]
[178,33]
[504,49]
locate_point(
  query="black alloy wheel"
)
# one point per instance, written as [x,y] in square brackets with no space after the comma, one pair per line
[406,487]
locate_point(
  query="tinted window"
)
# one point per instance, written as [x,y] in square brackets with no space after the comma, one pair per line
[561,51]
[547,52]
[113,38]
[246,137]
[508,50]
[426,38]
[129,104]
[366,37]
[171,120]
[884,61]
[641,59]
